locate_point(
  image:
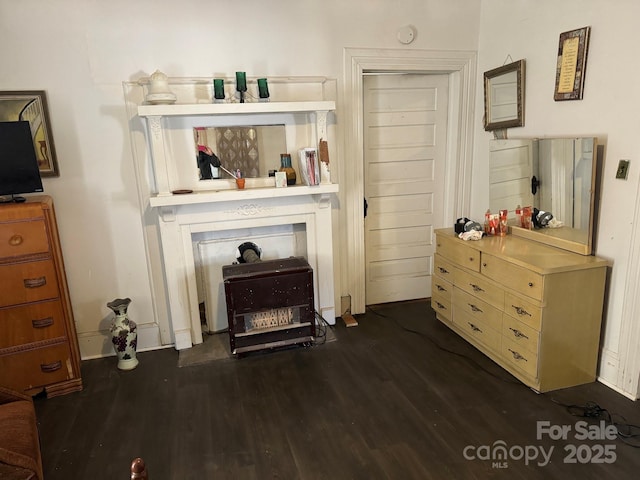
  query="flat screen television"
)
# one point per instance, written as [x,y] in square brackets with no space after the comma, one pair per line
[19,172]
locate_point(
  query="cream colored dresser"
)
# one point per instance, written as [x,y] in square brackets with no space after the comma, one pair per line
[536,310]
[38,343]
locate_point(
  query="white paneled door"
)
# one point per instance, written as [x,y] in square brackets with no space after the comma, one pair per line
[405,123]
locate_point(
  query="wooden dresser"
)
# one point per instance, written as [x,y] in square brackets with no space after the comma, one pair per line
[535,310]
[38,343]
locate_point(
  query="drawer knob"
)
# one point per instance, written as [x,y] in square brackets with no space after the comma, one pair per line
[517,333]
[42,322]
[517,356]
[476,288]
[443,270]
[16,240]
[51,367]
[520,310]
[474,328]
[484,265]
[531,284]
[35,282]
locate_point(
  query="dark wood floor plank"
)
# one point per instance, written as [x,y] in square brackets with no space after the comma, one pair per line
[398,396]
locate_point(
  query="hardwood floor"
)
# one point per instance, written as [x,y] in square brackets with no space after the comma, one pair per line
[397,397]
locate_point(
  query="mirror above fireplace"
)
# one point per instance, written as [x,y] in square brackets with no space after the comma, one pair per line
[252,149]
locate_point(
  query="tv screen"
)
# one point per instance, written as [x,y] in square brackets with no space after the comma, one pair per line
[19,172]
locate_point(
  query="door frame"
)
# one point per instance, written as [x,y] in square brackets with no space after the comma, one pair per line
[461,68]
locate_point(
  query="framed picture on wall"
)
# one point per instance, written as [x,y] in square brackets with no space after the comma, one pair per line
[572,64]
[32,106]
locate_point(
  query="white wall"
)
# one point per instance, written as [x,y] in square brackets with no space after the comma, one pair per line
[80,52]
[530,29]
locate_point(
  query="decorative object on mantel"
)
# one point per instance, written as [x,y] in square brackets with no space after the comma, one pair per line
[263,90]
[287,168]
[325,173]
[241,84]
[124,334]
[572,64]
[159,93]
[309,166]
[218,90]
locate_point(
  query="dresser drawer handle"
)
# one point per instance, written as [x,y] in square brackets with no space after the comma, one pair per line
[474,308]
[476,288]
[520,310]
[530,284]
[484,265]
[35,282]
[42,322]
[440,306]
[16,240]
[443,270]
[471,259]
[474,328]
[517,356]
[51,367]
[441,288]
[517,333]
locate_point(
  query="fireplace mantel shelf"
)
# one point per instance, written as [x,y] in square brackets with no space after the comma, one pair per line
[186,109]
[240,195]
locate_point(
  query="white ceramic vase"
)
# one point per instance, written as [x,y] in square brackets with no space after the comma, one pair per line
[124,334]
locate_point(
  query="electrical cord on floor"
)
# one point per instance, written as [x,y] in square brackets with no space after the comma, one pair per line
[624,430]
[321,329]
[444,349]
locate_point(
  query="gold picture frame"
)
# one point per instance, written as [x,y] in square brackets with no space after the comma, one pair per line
[573,49]
[31,106]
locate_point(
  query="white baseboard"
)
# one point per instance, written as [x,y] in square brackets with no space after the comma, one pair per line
[98,344]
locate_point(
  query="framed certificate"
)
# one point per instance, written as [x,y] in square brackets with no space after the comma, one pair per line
[572,64]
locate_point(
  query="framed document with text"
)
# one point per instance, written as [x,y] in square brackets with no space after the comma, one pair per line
[572,64]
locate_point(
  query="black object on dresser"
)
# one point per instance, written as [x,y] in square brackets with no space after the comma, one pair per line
[269,304]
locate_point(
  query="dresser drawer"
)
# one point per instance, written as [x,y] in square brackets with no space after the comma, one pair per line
[476,308]
[520,333]
[480,287]
[441,304]
[27,282]
[441,287]
[479,330]
[31,323]
[443,269]
[513,276]
[36,368]
[23,238]
[528,312]
[456,251]
[521,358]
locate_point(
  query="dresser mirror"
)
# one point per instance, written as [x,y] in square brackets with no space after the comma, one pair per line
[254,150]
[556,175]
[504,96]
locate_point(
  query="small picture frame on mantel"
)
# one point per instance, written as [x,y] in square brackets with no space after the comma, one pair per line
[572,64]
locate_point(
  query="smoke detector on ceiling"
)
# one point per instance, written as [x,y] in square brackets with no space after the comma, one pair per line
[406,34]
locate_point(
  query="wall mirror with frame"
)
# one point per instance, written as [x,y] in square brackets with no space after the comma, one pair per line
[556,175]
[252,149]
[504,89]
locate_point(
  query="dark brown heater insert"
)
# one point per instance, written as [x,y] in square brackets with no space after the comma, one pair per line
[269,303]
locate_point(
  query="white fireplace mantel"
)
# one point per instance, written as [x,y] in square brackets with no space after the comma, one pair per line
[221,209]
